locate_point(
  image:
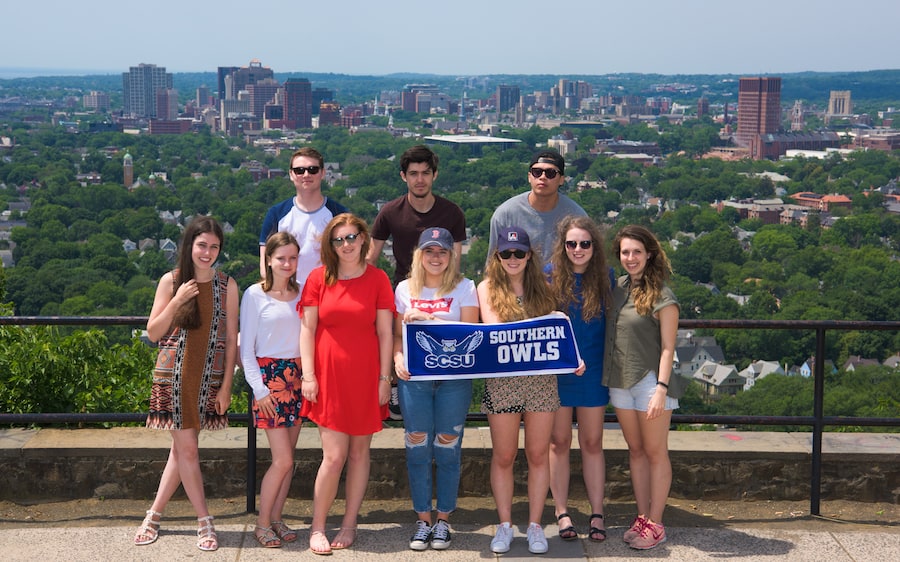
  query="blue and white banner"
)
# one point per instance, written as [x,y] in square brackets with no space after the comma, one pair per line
[435,350]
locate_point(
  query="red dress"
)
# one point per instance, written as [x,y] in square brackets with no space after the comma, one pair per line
[347,363]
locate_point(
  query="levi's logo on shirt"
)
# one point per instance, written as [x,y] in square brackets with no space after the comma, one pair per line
[432,306]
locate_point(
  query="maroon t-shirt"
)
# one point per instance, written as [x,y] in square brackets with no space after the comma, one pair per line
[400,221]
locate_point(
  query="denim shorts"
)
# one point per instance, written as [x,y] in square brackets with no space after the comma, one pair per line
[638,396]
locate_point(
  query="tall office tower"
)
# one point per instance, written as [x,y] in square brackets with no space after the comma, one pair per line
[507,97]
[323,94]
[128,171]
[839,104]
[298,103]
[251,74]
[224,92]
[202,97]
[261,93]
[140,84]
[759,111]
[583,90]
[702,107]
[166,104]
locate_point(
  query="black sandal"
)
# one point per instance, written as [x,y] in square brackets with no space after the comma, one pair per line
[596,534]
[568,533]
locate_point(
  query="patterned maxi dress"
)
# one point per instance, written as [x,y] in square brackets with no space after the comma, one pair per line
[190,367]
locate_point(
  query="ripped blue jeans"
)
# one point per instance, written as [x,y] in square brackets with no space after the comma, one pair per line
[434,416]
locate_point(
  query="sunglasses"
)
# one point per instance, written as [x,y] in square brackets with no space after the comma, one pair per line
[349,239]
[506,254]
[549,172]
[584,244]
[300,170]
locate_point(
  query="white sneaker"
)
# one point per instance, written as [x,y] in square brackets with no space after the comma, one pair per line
[502,539]
[537,542]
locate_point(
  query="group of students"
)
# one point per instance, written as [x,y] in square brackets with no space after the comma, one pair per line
[325,349]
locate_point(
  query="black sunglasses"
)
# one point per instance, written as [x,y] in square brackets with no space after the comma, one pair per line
[506,254]
[585,244]
[300,170]
[350,239]
[549,172]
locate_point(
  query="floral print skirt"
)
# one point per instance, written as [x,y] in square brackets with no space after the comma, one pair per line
[282,378]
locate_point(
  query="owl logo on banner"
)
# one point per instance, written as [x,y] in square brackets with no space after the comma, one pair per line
[449,353]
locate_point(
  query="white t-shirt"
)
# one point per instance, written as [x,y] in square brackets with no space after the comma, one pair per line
[445,307]
[269,328]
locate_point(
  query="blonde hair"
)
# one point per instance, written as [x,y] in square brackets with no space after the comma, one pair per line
[647,290]
[595,286]
[451,277]
[536,300]
[329,254]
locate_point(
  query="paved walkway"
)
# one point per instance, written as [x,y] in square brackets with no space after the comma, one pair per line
[470,542]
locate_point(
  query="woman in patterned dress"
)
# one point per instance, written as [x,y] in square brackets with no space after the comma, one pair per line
[270,352]
[195,320]
[514,288]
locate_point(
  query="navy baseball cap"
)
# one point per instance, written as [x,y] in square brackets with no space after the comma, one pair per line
[436,236]
[513,238]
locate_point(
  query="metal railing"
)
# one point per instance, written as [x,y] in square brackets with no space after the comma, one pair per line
[818,421]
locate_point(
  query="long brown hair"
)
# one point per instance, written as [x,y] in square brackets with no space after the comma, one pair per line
[649,288]
[329,254]
[188,315]
[536,300]
[273,242]
[595,286]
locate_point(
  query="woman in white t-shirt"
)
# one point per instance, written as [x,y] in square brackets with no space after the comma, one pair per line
[270,351]
[434,412]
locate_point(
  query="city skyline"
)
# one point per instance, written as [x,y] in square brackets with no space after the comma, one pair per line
[581,37]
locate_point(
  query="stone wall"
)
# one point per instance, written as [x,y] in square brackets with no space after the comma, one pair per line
[125,463]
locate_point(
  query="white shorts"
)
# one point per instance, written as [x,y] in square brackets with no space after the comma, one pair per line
[638,396]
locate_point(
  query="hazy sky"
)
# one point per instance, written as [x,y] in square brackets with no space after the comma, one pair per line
[457,37]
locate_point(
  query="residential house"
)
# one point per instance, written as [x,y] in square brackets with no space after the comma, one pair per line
[855,361]
[719,380]
[808,367]
[757,370]
[693,351]
[893,361]
[128,246]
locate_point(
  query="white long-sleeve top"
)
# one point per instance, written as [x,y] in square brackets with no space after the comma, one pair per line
[269,328]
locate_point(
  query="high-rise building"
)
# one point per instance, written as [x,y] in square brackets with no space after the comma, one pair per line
[318,96]
[98,101]
[759,111]
[202,97]
[298,103]
[702,107]
[507,97]
[140,85]
[262,93]
[224,72]
[166,104]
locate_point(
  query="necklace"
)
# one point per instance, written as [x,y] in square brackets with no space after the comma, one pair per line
[353,275]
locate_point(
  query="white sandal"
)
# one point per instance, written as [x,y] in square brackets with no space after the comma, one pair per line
[207,534]
[148,530]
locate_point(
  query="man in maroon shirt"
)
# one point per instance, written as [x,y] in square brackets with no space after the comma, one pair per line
[404,218]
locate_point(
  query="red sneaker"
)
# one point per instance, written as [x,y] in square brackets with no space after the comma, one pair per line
[635,531]
[651,535]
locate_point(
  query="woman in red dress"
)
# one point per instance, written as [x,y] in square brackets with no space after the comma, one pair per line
[346,338]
